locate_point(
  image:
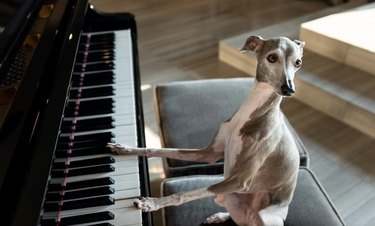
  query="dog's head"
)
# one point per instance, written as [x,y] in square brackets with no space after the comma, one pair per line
[278,60]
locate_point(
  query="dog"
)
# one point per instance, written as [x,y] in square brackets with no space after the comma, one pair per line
[261,159]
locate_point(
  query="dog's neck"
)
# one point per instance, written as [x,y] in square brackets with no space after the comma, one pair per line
[261,99]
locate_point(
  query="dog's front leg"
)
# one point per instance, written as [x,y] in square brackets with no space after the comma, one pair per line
[152,204]
[209,154]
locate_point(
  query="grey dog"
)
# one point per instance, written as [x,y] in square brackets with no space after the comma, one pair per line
[260,156]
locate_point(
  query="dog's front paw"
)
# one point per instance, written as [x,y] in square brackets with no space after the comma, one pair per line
[146,204]
[119,149]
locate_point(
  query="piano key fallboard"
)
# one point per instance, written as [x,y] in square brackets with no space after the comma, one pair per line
[89,185]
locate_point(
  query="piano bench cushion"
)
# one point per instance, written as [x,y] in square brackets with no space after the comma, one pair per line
[310,206]
[189,114]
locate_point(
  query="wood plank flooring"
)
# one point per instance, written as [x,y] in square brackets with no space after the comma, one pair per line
[178,41]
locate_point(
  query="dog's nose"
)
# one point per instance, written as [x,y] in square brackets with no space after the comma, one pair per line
[287,89]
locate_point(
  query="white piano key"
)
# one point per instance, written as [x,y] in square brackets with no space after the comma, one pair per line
[125,140]
[124,190]
[123,217]
[125,186]
[118,158]
[124,117]
[121,130]
[118,171]
[118,85]
[126,204]
[126,193]
[121,223]
[127,181]
[123,182]
[117,165]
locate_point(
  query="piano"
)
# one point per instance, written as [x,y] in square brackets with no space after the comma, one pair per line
[69,83]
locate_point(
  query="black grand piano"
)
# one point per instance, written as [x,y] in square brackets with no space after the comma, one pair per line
[69,81]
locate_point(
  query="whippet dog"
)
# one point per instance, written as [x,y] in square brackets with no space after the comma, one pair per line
[261,159]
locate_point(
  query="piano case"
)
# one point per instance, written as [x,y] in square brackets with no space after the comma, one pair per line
[74,92]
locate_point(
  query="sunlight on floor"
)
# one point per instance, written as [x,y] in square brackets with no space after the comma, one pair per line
[146,87]
[155,164]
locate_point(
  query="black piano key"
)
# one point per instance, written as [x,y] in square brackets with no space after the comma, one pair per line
[82,152]
[98,38]
[53,222]
[85,162]
[99,66]
[82,48]
[102,143]
[97,46]
[71,106]
[84,193]
[84,144]
[82,184]
[102,136]
[94,146]
[93,92]
[88,125]
[81,219]
[90,108]
[98,120]
[80,204]
[88,218]
[93,76]
[95,43]
[100,78]
[97,56]
[82,171]
[48,222]
[89,111]
[102,224]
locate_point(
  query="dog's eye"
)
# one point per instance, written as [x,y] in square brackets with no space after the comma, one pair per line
[272,58]
[298,63]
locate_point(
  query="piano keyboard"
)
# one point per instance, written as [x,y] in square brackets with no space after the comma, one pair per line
[89,185]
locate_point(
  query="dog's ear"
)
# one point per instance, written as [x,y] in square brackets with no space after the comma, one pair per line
[301,44]
[253,43]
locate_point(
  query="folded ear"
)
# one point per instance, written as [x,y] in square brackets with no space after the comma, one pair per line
[301,44]
[253,43]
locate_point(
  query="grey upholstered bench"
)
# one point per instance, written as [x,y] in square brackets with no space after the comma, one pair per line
[189,114]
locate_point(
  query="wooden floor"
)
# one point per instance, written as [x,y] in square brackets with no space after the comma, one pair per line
[178,40]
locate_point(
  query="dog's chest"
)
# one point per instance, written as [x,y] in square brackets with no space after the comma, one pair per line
[231,130]
[234,140]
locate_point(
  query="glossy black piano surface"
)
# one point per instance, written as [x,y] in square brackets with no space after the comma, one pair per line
[68,101]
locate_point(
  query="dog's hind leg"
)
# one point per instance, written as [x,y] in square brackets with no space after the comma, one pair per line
[217,218]
[274,215]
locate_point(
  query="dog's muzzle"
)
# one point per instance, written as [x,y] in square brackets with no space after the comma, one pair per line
[288,88]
